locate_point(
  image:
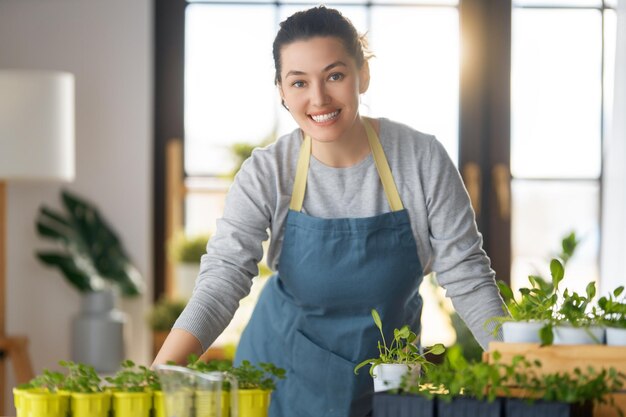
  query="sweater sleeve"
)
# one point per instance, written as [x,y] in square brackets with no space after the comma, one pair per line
[461,264]
[233,253]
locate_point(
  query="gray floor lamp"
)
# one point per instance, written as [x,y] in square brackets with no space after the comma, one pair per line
[36,144]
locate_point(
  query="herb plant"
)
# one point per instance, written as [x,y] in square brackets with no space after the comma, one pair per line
[539,302]
[401,350]
[81,378]
[217,365]
[579,386]
[576,309]
[50,381]
[458,377]
[262,377]
[133,379]
[612,310]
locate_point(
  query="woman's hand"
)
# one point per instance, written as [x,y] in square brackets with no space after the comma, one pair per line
[177,347]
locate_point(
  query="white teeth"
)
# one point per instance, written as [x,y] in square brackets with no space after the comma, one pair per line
[325,117]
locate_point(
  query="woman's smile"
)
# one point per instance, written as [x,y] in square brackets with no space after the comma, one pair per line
[325,118]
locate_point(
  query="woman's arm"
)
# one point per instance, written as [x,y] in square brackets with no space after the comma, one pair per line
[177,347]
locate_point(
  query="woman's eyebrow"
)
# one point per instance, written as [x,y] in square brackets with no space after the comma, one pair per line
[326,69]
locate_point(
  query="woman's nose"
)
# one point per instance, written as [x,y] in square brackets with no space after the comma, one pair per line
[320,95]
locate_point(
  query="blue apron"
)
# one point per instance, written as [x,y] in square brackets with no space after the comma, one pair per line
[313,317]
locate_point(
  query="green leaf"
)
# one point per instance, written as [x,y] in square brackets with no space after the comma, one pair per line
[377,320]
[618,291]
[91,243]
[591,290]
[546,335]
[403,333]
[437,349]
[505,290]
[557,271]
[362,364]
[75,275]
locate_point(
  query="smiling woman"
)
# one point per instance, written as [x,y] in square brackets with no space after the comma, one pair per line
[355,213]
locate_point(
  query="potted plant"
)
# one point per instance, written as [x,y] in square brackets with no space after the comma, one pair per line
[131,387]
[612,311]
[185,252]
[179,403]
[256,384]
[43,396]
[395,360]
[87,398]
[93,260]
[530,319]
[576,320]
[203,400]
[161,319]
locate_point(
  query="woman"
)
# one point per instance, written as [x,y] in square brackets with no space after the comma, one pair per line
[353,225]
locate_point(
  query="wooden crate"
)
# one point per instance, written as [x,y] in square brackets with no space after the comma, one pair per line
[566,358]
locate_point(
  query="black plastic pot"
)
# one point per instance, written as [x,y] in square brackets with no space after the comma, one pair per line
[516,407]
[401,405]
[469,407]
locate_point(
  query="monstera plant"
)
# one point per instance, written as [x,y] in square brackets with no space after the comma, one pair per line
[90,254]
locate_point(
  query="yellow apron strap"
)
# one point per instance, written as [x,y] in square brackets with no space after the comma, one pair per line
[302,170]
[382,166]
[389,185]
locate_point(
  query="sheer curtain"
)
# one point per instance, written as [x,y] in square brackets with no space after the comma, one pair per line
[613,257]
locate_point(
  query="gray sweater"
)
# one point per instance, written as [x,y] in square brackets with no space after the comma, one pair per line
[257,203]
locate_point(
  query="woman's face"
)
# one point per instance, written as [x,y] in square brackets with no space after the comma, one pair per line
[320,84]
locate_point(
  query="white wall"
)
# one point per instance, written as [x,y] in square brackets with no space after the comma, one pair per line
[108,46]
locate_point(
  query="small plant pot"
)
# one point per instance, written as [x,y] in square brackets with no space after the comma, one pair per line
[516,407]
[398,405]
[17,400]
[132,404]
[206,404]
[178,404]
[568,335]
[469,407]
[40,403]
[388,376]
[186,275]
[253,402]
[615,336]
[521,331]
[97,404]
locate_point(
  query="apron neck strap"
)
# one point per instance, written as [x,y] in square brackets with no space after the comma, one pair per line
[382,166]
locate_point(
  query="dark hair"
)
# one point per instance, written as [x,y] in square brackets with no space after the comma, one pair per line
[320,21]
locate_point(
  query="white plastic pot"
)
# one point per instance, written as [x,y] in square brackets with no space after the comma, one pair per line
[389,375]
[615,336]
[521,331]
[186,274]
[568,335]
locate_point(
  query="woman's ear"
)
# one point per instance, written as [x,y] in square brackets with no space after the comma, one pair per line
[364,78]
[282,95]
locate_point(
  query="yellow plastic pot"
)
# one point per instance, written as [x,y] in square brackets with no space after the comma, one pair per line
[96,404]
[172,404]
[132,404]
[205,406]
[254,402]
[41,403]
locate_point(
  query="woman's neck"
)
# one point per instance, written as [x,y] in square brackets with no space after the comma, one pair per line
[346,151]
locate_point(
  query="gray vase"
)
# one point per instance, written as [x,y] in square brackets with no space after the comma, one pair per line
[98,332]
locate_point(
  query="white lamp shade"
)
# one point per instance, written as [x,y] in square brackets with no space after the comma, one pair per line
[36,125]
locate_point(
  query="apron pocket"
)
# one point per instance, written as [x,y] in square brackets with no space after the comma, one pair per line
[322,383]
